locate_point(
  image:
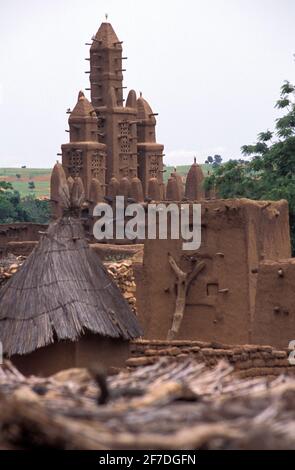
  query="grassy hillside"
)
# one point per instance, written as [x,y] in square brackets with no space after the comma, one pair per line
[20,178]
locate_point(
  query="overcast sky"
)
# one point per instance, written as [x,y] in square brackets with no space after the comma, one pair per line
[212,69]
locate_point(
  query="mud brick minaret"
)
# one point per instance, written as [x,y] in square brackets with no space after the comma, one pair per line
[112,140]
[117,123]
[84,156]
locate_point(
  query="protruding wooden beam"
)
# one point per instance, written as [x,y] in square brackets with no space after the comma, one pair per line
[96,40]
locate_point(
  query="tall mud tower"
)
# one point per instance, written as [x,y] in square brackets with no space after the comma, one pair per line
[127,129]
[84,156]
[112,142]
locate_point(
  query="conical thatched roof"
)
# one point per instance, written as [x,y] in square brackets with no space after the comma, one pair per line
[62,290]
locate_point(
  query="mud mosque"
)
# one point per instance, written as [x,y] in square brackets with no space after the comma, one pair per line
[237,289]
[112,141]
[113,149]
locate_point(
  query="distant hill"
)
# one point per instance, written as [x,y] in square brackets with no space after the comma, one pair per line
[21,177]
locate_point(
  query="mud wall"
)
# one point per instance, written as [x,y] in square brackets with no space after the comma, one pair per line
[236,236]
[13,235]
[90,351]
[106,252]
[247,361]
[274,319]
[20,232]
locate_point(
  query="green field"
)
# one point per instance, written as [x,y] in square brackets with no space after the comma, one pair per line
[24,172]
[41,178]
[42,188]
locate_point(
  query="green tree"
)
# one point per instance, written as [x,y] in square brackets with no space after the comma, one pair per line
[9,203]
[270,172]
[31,185]
[14,209]
[35,210]
[4,185]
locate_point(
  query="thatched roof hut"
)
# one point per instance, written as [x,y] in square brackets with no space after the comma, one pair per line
[62,292]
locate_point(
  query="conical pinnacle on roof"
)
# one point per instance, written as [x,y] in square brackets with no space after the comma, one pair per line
[131,99]
[177,176]
[105,36]
[95,191]
[136,190]
[58,180]
[70,181]
[77,194]
[83,107]
[68,193]
[144,110]
[154,192]
[113,187]
[173,191]
[125,187]
[194,183]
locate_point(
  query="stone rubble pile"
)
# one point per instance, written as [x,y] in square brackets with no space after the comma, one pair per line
[123,275]
[9,266]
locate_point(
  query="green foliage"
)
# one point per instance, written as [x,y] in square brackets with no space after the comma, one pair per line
[214,161]
[270,174]
[14,209]
[9,203]
[31,185]
[287,89]
[35,210]
[265,136]
[283,103]
[5,185]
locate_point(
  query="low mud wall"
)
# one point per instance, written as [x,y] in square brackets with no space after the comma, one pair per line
[20,232]
[19,238]
[247,360]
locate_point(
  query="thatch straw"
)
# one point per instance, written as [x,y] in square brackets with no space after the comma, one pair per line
[61,292]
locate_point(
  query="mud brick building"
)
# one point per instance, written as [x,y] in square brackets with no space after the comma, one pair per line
[222,303]
[112,139]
